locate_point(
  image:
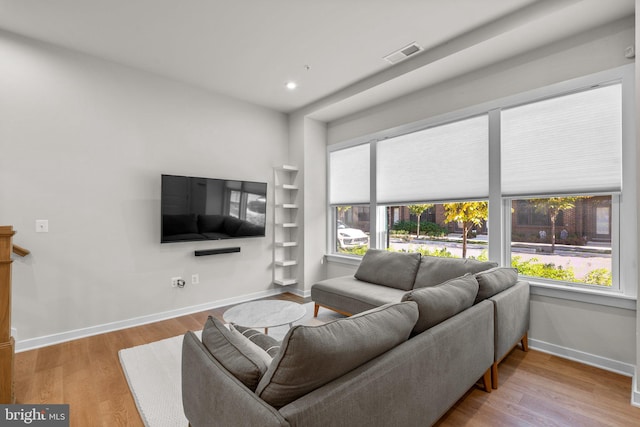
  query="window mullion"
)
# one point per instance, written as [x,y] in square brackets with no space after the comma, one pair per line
[495,243]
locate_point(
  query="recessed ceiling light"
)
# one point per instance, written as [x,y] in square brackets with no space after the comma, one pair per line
[291,85]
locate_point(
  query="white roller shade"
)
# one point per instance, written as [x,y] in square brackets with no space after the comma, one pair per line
[349,180]
[448,162]
[569,144]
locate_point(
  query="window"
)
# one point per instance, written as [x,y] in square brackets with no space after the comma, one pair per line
[570,245]
[552,148]
[548,165]
[452,230]
[352,229]
[349,180]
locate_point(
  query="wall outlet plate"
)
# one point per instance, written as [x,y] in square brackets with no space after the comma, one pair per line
[174,281]
[42,225]
[195,279]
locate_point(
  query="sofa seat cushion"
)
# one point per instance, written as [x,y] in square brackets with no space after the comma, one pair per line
[312,356]
[494,281]
[435,270]
[351,295]
[438,303]
[393,269]
[242,358]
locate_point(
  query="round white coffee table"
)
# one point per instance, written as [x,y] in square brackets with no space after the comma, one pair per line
[265,314]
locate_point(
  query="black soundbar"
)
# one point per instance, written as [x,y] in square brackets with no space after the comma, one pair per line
[204,252]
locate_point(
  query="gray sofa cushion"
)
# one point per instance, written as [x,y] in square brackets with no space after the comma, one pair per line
[312,356]
[440,302]
[265,342]
[495,280]
[245,360]
[350,295]
[393,269]
[435,270]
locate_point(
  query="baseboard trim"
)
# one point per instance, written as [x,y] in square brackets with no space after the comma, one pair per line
[607,364]
[44,341]
[635,390]
[301,292]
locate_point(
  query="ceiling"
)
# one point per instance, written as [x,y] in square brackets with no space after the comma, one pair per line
[333,49]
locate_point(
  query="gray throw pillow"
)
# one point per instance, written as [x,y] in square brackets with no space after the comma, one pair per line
[438,303]
[494,281]
[435,270]
[312,356]
[242,358]
[392,269]
[265,342]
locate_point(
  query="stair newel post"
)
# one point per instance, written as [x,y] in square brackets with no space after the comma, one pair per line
[7,344]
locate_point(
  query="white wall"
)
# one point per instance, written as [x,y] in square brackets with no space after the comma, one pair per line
[308,152]
[635,397]
[83,143]
[605,336]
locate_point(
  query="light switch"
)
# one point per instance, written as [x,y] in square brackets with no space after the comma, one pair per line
[42,225]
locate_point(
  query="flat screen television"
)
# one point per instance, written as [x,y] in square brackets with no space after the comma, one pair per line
[197,209]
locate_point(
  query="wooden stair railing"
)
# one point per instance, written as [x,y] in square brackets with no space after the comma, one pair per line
[7,343]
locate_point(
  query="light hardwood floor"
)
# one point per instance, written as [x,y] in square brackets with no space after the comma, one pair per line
[536,389]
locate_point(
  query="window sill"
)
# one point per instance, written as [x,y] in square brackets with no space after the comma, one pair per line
[344,259]
[606,298]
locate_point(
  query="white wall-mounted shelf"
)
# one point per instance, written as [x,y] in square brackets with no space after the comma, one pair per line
[285,282]
[285,227]
[288,225]
[289,187]
[286,244]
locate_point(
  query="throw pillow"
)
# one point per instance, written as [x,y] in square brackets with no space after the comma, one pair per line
[494,281]
[265,342]
[312,356]
[438,303]
[435,270]
[392,269]
[242,358]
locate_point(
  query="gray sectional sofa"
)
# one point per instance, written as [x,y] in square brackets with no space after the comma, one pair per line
[384,277]
[404,357]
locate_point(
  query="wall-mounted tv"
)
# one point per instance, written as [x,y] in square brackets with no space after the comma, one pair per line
[195,209]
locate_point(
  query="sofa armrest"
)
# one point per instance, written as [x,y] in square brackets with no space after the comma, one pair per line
[413,384]
[511,308]
[210,393]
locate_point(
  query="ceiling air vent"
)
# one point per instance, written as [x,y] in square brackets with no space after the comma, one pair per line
[404,53]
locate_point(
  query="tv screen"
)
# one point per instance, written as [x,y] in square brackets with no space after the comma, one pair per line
[195,209]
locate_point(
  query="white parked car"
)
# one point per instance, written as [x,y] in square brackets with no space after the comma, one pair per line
[351,237]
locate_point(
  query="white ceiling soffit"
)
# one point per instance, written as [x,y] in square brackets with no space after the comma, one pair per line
[333,49]
[535,26]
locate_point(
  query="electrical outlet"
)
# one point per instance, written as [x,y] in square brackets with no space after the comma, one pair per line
[42,225]
[195,279]
[175,281]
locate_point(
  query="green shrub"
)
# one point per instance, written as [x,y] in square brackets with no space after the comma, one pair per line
[599,276]
[484,256]
[358,250]
[426,228]
[533,267]
[444,253]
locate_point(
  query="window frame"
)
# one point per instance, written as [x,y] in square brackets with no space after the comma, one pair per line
[624,204]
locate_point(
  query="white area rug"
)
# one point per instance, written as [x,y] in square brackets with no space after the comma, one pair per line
[153,372]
